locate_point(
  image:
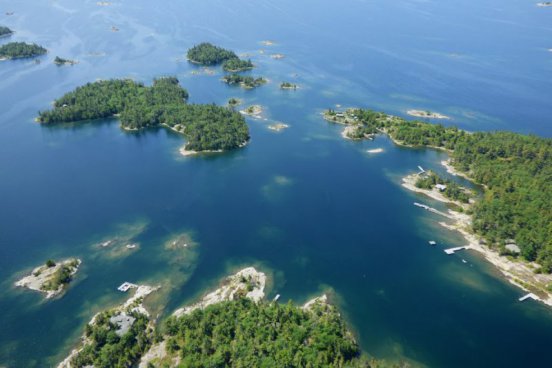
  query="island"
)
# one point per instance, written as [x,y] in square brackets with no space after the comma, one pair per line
[208,54]
[514,172]
[235,326]
[545,4]
[426,114]
[246,82]
[61,61]
[5,31]
[20,50]
[288,85]
[206,127]
[52,278]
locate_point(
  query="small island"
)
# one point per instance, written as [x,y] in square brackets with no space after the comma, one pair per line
[246,82]
[164,104]
[20,50]
[277,56]
[61,61]
[545,4]
[233,102]
[5,31]
[208,54]
[426,114]
[288,85]
[52,278]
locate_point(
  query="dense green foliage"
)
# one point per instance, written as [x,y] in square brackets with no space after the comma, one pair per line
[19,50]
[109,350]
[515,169]
[241,333]
[62,276]
[244,81]
[206,127]
[209,54]
[5,31]
[452,191]
[237,65]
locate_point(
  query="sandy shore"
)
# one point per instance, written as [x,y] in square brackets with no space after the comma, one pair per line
[519,273]
[426,114]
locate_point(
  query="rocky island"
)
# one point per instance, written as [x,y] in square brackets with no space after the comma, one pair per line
[52,278]
[20,50]
[164,104]
[513,170]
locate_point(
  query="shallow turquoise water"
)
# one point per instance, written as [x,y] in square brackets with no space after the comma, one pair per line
[313,210]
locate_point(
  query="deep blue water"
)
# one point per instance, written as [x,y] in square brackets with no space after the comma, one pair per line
[314,211]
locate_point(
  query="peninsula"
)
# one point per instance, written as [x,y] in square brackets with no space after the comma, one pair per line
[117,337]
[52,278]
[235,326]
[164,104]
[21,50]
[208,54]
[514,171]
[5,31]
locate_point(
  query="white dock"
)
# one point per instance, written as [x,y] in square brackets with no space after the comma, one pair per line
[430,209]
[454,250]
[126,286]
[276,298]
[529,296]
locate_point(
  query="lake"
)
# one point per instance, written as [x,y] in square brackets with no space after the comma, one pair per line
[316,212]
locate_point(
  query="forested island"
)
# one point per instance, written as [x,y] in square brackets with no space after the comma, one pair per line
[20,50]
[288,85]
[5,31]
[209,54]
[205,127]
[514,169]
[247,82]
